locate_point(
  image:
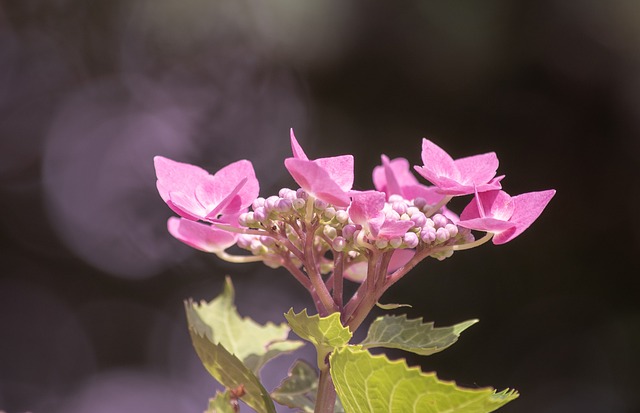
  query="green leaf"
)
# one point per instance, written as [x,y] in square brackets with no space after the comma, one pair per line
[392,306]
[231,372]
[374,384]
[325,333]
[252,343]
[299,389]
[412,335]
[222,403]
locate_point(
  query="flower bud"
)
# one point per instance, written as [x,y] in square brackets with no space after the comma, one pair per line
[428,235]
[419,219]
[382,243]
[348,231]
[410,239]
[329,231]
[420,202]
[270,203]
[329,213]
[258,202]
[319,204]
[452,230]
[342,216]
[339,243]
[242,219]
[272,260]
[259,214]
[413,210]
[395,198]
[395,242]
[400,207]
[300,193]
[284,205]
[299,204]
[244,241]
[392,215]
[440,220]
[442,235]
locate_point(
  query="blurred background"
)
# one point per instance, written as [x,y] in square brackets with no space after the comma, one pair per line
[91,283]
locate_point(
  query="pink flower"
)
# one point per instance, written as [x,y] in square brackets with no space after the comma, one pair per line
[328,179]
[203,237]
[394,177]
[196,195]
[462,176]
[505,216]
[366,210]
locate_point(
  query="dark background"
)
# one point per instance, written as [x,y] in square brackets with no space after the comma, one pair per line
[91,284]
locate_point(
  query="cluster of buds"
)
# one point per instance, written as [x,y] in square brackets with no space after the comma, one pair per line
[325,232]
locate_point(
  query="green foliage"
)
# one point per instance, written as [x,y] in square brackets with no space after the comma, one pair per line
[222,403]
[374,384]
[231,372]
[233,349]
[392,306]
[412,335]
[299,389]
[251,342]
[325,333]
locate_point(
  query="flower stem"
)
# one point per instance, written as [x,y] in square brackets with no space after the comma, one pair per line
[326,395]
[338,267]
[444,201]
[238,258]
[328,306]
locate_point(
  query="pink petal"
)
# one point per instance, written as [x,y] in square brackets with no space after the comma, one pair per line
[431,194]
[340,170]
[487,224]
[186,206]
[396,228]
[494,204]
[218,187]
[177,177]
[392,176]
[200,236]
[527,208]
[436,163]
[399,258]
[316,181]
[298,153]
[477,169]
[230,204]
[366,206]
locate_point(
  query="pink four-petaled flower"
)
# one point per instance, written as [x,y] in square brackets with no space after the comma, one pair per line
[196,195]
[328,179]
[504,216]
[461,176]
[394,177]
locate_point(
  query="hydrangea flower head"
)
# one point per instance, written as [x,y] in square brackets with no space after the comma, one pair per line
[461,176]
[328,179]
